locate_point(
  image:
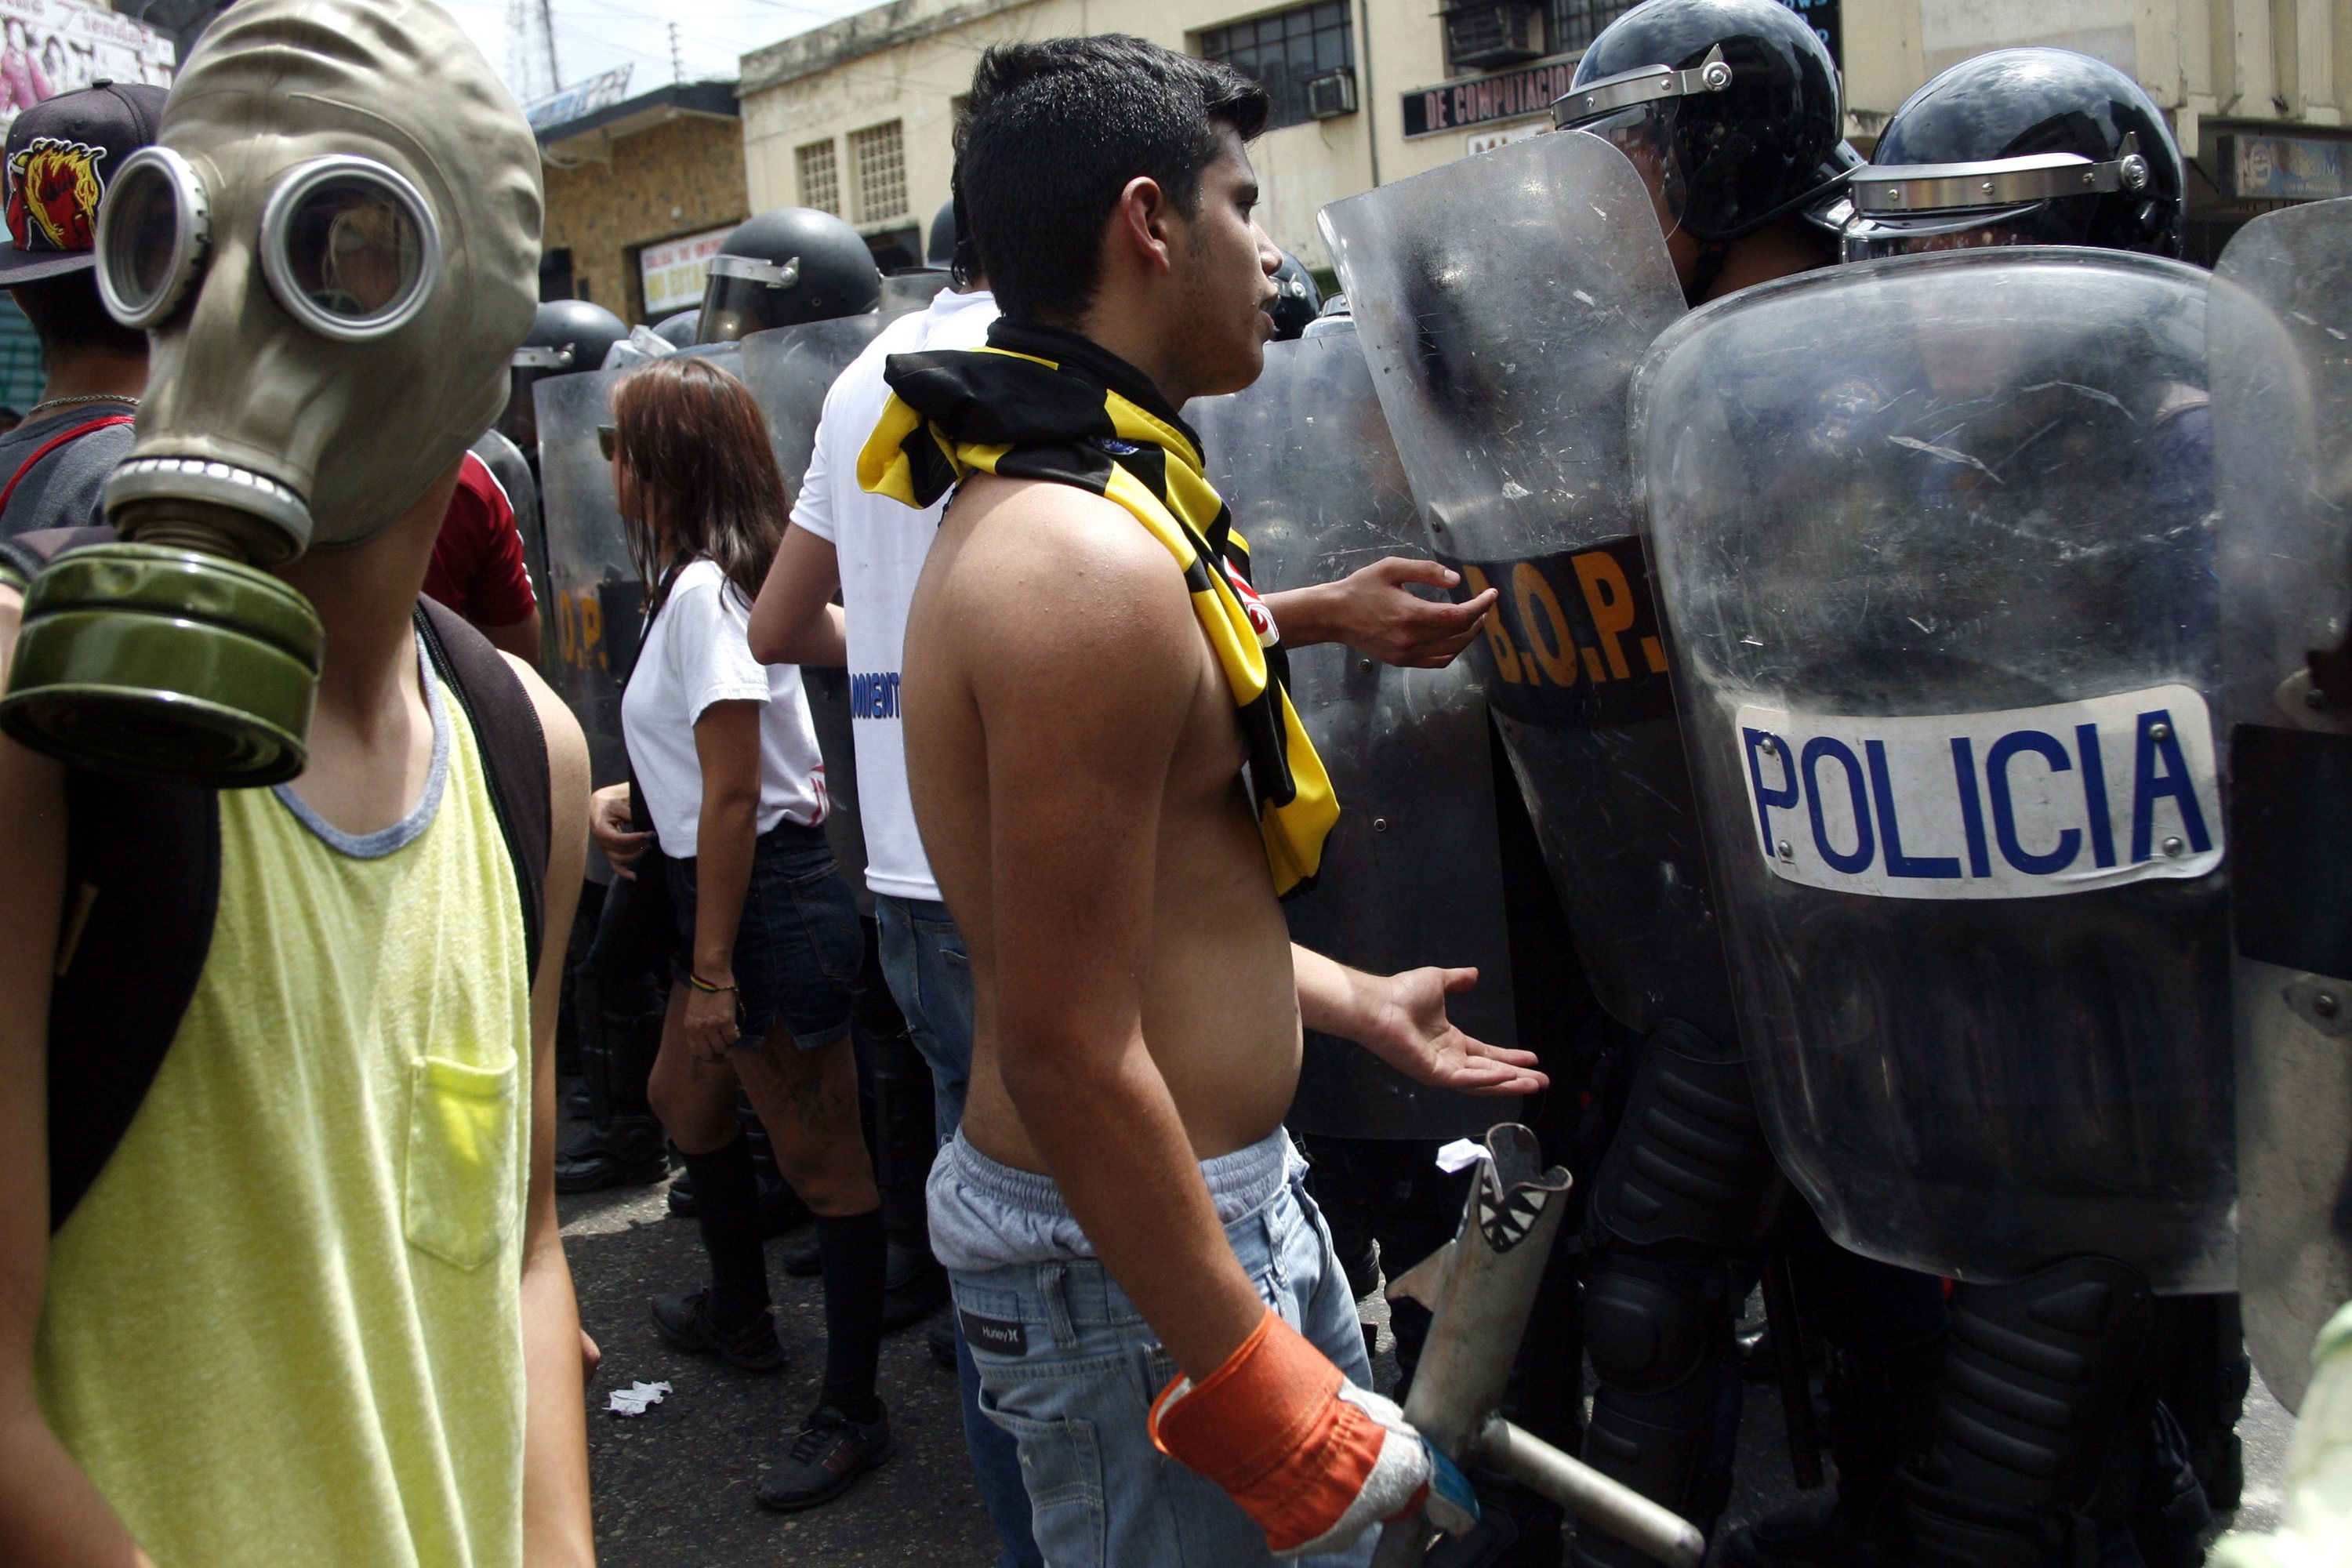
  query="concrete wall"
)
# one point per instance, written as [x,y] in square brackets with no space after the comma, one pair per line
[607,196]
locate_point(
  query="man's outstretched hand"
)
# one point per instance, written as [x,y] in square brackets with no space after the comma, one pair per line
[1407,1028]
[1374,611]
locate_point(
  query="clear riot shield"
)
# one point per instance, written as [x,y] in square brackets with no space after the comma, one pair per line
[595,600]
[513,470]
[1504,302]
[1412,874]
[1933,541]
[788,371]
[2282,457]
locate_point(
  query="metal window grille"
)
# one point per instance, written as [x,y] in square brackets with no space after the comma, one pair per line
[1282,51]
[877,159]
[1570,25]
[820,176]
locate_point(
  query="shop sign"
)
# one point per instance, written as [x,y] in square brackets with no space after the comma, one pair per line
[579,101]
[1483,100]
[2284,168]
[676,269]
[62,46]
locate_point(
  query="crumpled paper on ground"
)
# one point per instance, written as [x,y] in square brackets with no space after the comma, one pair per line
[638,1398]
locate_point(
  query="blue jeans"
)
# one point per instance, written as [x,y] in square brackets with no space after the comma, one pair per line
[1069,1367]
[929,975]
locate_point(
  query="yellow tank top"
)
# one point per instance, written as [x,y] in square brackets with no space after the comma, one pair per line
[284,1327]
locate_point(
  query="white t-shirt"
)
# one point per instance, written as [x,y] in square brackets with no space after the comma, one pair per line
[698,652]
[880,545]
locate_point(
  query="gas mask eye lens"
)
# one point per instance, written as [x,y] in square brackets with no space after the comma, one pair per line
[350,247]
[152,234]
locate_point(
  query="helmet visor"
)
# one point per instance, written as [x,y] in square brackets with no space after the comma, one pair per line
[746,295]
[1645,135]
[2045,199]
[1634,112]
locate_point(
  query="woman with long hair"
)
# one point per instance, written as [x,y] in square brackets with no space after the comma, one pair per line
[727,759]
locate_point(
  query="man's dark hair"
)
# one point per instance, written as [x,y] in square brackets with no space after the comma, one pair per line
[66,313]
[1054,131]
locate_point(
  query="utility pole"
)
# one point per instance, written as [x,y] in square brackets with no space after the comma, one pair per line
[547,31]
[677,61]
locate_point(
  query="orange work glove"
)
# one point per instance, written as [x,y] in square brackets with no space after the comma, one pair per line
[1314,1459]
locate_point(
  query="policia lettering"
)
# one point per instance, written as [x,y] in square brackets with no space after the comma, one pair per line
[2024,804]
[1573,639]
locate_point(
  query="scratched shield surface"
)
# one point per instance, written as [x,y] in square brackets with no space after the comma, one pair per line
[2281,339]
[1505,302]
[1934,539]
[1413,873]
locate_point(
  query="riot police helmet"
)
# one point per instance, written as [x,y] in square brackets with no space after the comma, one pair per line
[1299,302]
[566,336]
[1731,109]
[784,268]
[2027,146]
[678,330]
[939,253]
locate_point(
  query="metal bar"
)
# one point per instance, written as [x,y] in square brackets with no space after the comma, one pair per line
[1796,1385]
[1650,1529]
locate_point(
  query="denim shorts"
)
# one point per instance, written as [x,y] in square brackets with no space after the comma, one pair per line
[1069,1367]
[799,943]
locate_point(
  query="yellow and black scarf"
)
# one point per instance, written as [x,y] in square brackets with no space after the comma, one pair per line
[1042,404]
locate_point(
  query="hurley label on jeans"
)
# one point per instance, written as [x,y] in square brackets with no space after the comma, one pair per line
[994,1334]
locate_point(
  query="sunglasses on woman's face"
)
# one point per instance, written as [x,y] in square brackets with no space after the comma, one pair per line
[608,440]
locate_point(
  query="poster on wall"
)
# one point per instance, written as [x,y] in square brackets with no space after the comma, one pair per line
[50,46]
[676,269]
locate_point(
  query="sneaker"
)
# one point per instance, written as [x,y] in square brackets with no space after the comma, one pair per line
[685,1322]
[831,1452]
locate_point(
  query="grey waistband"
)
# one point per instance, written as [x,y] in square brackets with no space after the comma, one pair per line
[986,1214]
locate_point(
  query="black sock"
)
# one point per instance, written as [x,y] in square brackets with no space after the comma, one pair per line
[727,1207]
[856,1253]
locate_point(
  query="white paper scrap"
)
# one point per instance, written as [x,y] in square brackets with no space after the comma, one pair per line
[638,1398]
[1460,1155]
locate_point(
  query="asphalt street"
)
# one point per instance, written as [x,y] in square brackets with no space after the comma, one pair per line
[674,1486]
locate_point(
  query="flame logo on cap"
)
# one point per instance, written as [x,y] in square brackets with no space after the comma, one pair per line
[54,188]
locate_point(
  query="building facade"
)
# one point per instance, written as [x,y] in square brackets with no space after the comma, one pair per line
[639,194]
[856,117]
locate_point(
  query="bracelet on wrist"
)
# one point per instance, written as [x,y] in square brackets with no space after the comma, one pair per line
[699,983]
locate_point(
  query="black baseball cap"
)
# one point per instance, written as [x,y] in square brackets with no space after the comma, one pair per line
[62,153]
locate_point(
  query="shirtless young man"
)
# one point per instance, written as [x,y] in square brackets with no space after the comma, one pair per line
[1121,1210]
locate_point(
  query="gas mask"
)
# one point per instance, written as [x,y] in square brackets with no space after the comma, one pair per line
[334,246]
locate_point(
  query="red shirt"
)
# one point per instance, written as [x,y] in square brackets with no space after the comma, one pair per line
[478,567]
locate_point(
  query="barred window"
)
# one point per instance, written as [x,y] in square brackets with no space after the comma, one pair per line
[1570,25]
[877,161]
[820,176]
[1283,50]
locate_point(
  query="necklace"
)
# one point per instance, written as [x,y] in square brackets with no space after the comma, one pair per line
[86,397]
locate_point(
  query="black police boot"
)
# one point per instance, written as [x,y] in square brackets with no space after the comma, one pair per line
[622,1146]
[1880,1414]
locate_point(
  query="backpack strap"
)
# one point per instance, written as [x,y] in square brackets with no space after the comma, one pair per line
[52,444]
[142,883]
[513,748]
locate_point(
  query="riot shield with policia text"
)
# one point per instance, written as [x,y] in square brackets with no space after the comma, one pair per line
[1413,873]
[2282,368]
[1933,537]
